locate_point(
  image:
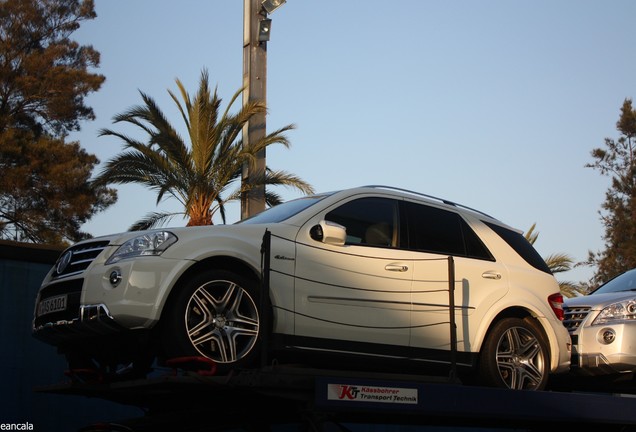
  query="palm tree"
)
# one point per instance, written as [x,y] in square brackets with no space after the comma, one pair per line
[204,175]
[558,262]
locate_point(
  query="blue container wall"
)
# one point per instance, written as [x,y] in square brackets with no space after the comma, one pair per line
[28,365]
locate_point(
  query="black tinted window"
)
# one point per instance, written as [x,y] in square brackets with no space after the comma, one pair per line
[440,231]
[623,282]
[521,245]
[369,221]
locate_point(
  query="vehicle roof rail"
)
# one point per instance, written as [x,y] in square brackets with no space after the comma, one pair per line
[442,200]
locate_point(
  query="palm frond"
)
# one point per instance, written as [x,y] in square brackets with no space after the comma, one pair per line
[202,174]
[272,199]
[153,220]
[530,235]
[559,262]
[570,289]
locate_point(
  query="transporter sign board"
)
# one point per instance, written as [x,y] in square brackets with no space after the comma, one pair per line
[365,393]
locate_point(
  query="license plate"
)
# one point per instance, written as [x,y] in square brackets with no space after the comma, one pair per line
[53,304]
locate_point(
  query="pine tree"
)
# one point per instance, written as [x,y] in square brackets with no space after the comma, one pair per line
[45,193]
[618,214]
[43,73]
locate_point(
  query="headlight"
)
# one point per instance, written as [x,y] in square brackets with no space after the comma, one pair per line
[150,244]
[617,312]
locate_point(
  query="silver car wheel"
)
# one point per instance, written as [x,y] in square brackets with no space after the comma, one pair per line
[520,359]
[221,321]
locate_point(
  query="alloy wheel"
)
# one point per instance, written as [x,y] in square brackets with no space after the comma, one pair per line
[520,359]
[222,321]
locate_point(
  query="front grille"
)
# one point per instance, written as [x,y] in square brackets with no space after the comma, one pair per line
[574,316]
[77,258]
[73,291]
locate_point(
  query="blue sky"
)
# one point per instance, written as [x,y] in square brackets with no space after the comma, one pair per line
[495,104]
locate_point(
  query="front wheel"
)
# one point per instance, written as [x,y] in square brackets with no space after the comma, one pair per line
[214,315]
[515,355]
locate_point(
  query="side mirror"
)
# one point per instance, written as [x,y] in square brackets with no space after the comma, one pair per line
[329,233]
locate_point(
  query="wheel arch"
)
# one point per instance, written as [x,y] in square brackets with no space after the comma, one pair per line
[513,312]
[522,313]
[171,335]
[221,262]
[526,360]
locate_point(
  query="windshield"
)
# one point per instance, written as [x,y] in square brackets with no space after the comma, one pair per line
[623,282]
[283,211]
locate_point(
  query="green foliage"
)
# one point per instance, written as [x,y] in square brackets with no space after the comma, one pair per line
[202,174]
[618,214]
[45,194]
[43,73]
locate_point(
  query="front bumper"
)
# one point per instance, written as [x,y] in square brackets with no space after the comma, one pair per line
[95,304]
[604,349]
[91,321]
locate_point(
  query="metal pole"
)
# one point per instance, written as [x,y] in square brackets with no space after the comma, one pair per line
[255,84]
[453,326]
[266,246]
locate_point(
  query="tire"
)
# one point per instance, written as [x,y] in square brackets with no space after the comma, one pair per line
[515,355]
[214,315]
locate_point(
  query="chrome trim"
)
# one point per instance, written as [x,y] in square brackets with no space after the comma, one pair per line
[93,319]
[574,317]
[368,354]
[76,259]
[95,312]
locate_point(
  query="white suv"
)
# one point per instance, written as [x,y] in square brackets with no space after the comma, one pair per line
[361,274]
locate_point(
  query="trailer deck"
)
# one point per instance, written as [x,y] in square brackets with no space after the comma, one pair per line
[324,400]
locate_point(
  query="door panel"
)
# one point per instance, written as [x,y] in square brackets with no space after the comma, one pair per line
[434,234]
[360,291]
[357,293]
[478,285]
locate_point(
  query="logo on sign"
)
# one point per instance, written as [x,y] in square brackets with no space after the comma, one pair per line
[348,392]
[376,394]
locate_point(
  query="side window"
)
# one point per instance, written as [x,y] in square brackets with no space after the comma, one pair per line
[369,221]
[440,231]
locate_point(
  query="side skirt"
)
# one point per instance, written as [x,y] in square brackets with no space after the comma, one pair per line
[340,353]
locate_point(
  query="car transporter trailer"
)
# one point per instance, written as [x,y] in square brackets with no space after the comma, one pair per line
[187,395]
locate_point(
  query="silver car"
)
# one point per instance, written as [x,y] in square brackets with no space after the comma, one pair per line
[602,325]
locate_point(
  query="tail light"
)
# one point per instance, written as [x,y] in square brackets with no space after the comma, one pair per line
[556,303]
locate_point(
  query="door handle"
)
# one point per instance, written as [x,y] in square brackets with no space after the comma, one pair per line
[491,275]
[396,267]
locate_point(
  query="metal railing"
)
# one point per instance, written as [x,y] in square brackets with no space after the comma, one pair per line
[265,289]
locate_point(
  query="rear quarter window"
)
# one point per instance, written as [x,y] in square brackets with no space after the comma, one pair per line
[521,245]
[439,231]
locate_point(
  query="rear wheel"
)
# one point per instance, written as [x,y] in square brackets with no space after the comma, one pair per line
[214,315]
[515,355]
